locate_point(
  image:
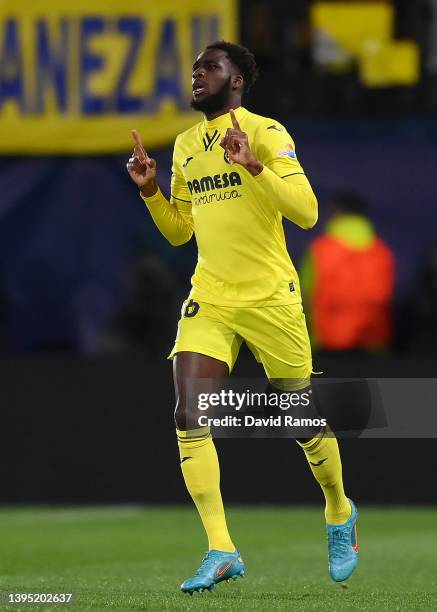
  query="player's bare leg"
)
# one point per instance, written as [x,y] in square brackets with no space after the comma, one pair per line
[200,468]
[186,366]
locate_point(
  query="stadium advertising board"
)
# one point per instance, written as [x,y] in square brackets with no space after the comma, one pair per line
[76,77]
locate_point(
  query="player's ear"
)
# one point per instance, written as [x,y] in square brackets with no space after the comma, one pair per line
[237,81]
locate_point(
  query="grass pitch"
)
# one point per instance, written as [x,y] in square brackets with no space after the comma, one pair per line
[133,558]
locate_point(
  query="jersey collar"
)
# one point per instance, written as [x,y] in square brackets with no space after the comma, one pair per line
[225,120]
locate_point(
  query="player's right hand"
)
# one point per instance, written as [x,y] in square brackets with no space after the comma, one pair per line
[141,168]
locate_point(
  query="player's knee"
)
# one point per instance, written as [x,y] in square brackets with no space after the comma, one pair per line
[185,416]
[303,406]
[180,416]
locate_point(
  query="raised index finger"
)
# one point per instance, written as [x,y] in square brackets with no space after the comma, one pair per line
[137,138]
[234,120]
[139,146]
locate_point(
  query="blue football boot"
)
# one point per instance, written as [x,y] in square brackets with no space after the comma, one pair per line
[343,547]
[216,567]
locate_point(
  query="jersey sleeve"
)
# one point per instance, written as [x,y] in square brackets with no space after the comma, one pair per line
[275,148]
[282,180]
[180,196]
[179,188]
[173,218]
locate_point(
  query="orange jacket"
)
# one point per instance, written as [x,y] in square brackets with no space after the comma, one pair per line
[352,293]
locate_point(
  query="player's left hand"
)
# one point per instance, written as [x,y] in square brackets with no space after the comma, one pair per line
[236,145]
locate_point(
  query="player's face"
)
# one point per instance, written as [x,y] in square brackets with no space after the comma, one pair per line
[212,80]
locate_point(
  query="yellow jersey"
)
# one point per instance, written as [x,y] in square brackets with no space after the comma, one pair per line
[237,218]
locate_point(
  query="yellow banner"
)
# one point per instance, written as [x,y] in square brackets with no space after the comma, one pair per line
[77,76]
[365,31]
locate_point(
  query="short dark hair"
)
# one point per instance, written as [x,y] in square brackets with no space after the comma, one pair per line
[349,202]
[242,58]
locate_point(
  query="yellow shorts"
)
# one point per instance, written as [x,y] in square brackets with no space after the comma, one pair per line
[276,335]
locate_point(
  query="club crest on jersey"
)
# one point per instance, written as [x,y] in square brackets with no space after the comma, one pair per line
[209,141]
[226,158]
[288,152]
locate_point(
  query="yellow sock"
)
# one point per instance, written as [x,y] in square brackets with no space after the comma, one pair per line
[201,471]
[324,459]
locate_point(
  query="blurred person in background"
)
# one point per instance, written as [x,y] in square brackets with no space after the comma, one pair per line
[347,281]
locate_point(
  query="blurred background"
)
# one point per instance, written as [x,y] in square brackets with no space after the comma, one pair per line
[90,291]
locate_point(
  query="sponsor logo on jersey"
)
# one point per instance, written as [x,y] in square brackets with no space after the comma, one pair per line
[275,127]
[210,183]
[287,152]
[218,196]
